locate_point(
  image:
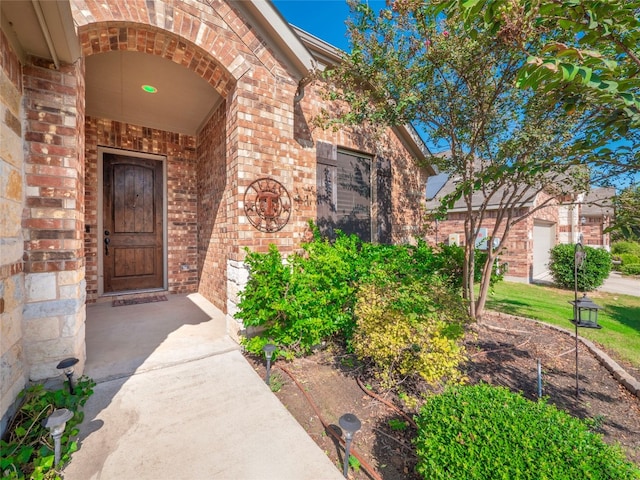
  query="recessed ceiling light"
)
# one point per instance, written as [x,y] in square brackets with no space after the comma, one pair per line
[149,89]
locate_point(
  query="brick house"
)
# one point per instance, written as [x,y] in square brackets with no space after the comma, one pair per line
[547,222]
[144,144]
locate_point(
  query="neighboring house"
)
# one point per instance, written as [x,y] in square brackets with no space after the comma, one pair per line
[527,252]
[144,144]
[596,213]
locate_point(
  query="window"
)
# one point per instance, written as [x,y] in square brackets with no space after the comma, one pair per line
[344,192]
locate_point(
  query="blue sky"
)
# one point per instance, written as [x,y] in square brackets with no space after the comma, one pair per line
[322,18]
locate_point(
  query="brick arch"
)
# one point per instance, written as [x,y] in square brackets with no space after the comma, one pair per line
[119,36]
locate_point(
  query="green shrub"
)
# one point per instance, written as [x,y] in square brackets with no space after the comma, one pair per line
[27,450]
[484,432]
[300,303]
[628,258]
[593,272]
[630,269]
[409,328]
[628,247]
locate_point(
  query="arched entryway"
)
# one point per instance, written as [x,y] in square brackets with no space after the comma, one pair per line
[156,123]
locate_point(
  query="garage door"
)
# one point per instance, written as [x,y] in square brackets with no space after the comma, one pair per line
[544,236]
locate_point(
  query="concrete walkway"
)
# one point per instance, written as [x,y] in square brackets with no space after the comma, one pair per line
[177,400]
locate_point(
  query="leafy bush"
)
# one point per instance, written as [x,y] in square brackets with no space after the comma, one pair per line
[630,269]
[593,272]
[484,432]
[628,258]
[297,303]
[300,302]
[28,451]
[407,328]
[628,247]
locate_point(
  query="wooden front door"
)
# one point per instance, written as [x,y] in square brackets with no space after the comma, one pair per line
[133,223]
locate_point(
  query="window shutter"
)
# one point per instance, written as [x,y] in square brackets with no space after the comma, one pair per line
[383,191]
[326,188]
[354,195]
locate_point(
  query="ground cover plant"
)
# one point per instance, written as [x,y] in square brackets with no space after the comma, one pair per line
[625,246]
[482,431]
[619,317]
[28,449]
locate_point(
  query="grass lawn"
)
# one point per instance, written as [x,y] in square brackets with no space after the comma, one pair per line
[620,316]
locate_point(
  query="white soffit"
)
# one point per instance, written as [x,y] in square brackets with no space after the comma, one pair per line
[114,90]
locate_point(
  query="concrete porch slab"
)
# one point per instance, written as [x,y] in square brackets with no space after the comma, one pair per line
[177,400]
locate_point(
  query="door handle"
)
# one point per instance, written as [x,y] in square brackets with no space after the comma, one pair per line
[107,241]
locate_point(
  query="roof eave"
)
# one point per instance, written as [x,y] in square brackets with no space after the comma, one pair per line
[270,24]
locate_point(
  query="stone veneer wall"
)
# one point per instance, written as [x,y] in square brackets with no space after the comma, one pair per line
[13,365]
[180,151]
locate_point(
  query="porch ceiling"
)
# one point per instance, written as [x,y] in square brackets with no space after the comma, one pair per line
[114,90]
[45,29]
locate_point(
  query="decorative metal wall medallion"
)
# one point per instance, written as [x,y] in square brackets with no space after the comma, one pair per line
[267,205]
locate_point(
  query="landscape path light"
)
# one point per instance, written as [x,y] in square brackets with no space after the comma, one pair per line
[56,423]
[66,366]
[268,350]
[350,424]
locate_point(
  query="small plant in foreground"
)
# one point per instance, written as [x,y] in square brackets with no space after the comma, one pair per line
[485,432]
[276,382]
[398,425]
[354,463]
[28,450]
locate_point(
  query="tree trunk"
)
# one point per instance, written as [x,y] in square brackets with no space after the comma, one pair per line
[485,283]
[469,264]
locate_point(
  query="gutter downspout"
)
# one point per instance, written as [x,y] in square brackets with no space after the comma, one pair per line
[300,91]
[45,31]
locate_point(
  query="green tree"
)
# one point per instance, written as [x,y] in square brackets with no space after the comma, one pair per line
[506,147]
[583,53]
[626,223]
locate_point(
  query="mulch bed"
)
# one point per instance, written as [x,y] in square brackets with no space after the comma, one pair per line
[504,352]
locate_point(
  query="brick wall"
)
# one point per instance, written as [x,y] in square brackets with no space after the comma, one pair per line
[215,241]
[180,151]
[53,218]
[593,232]
[13,366]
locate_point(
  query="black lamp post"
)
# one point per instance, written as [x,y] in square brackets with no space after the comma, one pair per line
[66,366]
[268,350]
[350,424]
[585,312]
